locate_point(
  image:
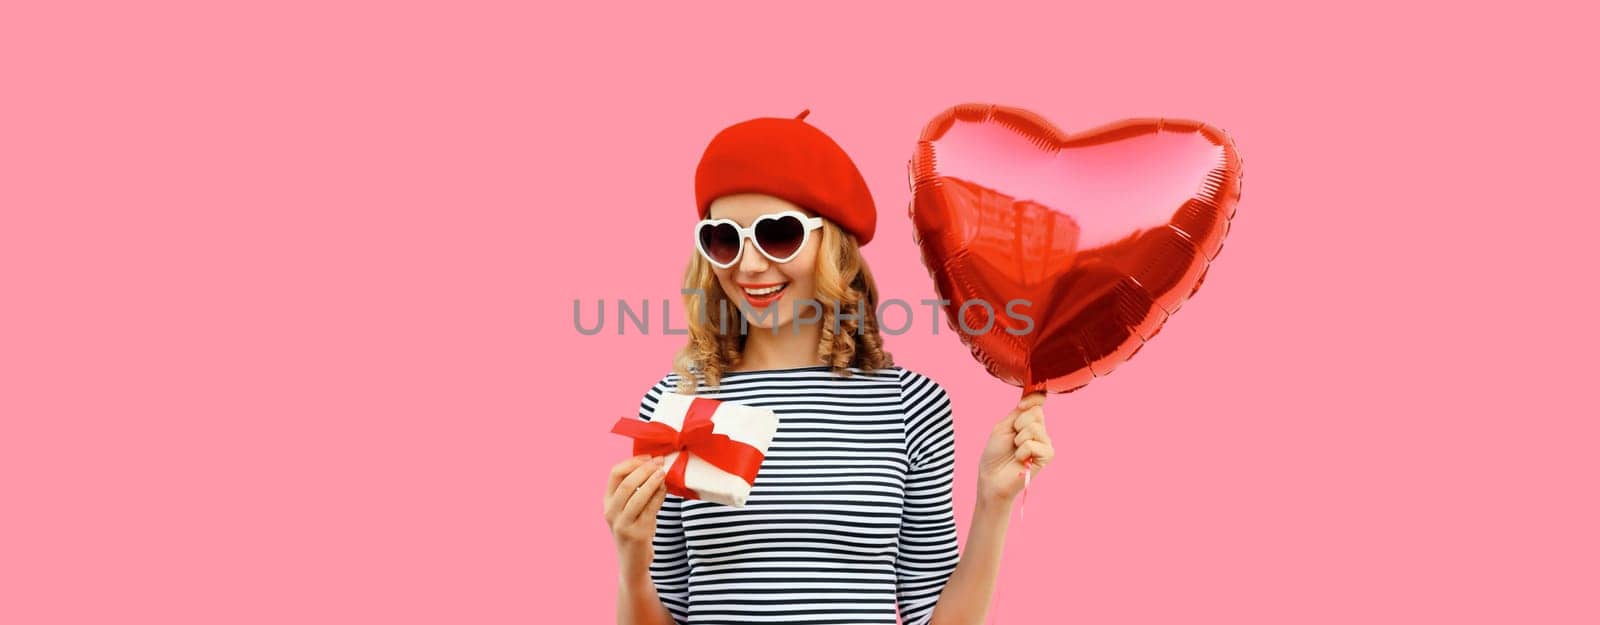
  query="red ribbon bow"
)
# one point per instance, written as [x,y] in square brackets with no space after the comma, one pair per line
[659,439]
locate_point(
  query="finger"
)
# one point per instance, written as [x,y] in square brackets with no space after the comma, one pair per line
[1034,432]
[624,489]
[639,474]
[1030,416]
[1039,452]
[1016,411]
[1030,400]
[655,504]
[1008,424]
[622,469]
[1042,455]
[638,499]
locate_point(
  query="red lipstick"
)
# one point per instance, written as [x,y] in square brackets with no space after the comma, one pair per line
[764,300]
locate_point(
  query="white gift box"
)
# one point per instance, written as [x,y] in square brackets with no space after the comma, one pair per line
[749,425]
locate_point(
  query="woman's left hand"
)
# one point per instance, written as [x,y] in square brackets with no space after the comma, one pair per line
[1015,440]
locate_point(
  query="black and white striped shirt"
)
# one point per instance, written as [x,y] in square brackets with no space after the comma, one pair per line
[851,515]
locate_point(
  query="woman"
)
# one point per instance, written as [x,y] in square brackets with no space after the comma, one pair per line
[851,519]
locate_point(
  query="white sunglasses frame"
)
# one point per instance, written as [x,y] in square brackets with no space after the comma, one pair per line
[808,222]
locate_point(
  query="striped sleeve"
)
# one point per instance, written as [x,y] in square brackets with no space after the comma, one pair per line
[927,548]
[670,568]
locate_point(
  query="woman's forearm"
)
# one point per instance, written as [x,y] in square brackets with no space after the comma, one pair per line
[965,598]
[637,601]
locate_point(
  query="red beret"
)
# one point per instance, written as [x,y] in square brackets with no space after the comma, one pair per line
[790,159]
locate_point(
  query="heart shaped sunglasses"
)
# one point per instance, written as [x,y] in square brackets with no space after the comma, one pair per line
[778,236]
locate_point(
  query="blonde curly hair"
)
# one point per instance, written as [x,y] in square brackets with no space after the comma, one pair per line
[841,276]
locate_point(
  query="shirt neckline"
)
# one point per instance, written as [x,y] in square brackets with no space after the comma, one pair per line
[789,370]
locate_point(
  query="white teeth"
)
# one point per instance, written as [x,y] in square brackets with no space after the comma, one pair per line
[766,291]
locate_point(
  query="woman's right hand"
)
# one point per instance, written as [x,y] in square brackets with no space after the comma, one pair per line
[633,497]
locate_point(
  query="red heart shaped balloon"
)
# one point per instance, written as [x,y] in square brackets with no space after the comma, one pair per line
[1059,255]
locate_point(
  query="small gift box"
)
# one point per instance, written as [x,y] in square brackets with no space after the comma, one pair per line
[713,448]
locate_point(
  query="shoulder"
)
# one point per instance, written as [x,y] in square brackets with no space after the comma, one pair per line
[917,389]
[929,421]
[663,385]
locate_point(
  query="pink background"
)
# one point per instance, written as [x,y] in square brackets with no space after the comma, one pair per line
[288,301]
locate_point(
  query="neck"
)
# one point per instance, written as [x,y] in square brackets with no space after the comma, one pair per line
[783,347]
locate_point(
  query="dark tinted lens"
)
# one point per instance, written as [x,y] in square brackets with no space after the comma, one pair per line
[780,237]
[720,241]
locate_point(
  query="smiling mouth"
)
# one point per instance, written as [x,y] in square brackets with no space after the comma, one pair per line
[762,295]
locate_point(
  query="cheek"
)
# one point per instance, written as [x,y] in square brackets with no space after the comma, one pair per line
[800,271]
[725,280]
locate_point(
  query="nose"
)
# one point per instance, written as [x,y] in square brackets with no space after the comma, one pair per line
[751,260]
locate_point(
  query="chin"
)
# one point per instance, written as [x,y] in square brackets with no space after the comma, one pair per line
[764,323]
